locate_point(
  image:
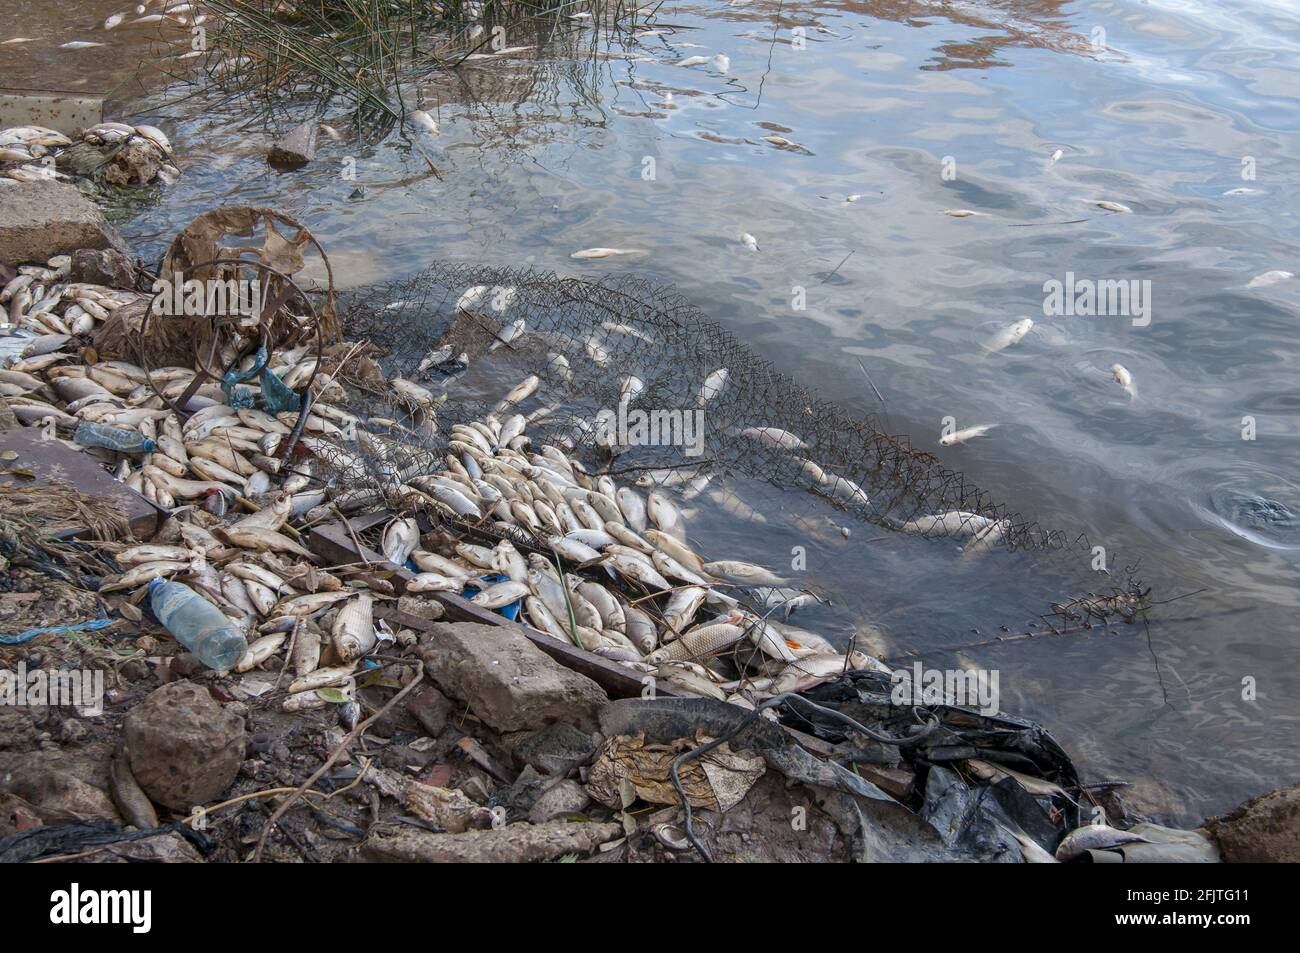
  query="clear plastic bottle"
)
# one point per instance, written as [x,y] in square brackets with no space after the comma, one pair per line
[90,434]
[197,624]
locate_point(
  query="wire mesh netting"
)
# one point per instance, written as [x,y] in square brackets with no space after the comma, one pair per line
[635,382]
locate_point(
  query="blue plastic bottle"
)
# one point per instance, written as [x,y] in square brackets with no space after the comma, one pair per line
[197,624]
[90,434]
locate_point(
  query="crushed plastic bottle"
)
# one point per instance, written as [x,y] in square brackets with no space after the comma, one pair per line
[90,434]
[197,624]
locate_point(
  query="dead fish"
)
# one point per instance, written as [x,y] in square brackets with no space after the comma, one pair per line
[259,651]
[813,670]
[775,438]
[664,514]
[749,241]
[675,548]
[519,393]
[986,538]
[1124,379]
[354,628]
[592,253]
[739,571]
[434,582]
[713,385]
[1010,335]
[1108,205]
[264,540]
[302,606]
[960,213]
[988,771]
[508,333]
[701,643]
[44,344]
[692,61]
[323,678]
[113,21]
[152,553]
[434,358]
[558,364]
[400,539]
[1268,278]
[305,655]
[1094,837]
[432,562]
[1029,848]
[79,45]
[952,523]
[422,120]
[500,594]
[961,436]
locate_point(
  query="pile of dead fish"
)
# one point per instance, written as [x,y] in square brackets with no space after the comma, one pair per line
[42,300]
[605,567]
[639,594]
[112,152]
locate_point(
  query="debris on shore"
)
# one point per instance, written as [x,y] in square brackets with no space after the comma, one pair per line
[109,153]
[467,683]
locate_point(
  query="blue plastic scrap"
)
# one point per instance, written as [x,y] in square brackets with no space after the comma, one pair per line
[30,634]
[277,397]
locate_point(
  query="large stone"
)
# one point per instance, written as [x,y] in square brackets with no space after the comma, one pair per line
[507,681]
[295,147]
[562,797]
[39,220]
[1265,829]
[103,266]
[185,748]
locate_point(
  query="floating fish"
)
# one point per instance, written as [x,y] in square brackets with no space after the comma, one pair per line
[590,253]
[961,436]
[423,121]
[1010,335]
[1124,379]
[1269,278]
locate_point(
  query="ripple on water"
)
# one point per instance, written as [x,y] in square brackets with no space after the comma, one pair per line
[1263,513]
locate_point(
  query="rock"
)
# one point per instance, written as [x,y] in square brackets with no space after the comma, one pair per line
[507,681]
[563,797]
[431,708]
[514,843]
[526,790]
[185,749]
[1265,829]
[102,266]
[17,728]
[295,147]
[556,748]
[39,220]
[421,607]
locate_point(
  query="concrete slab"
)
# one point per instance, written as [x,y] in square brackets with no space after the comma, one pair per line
[39,220]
